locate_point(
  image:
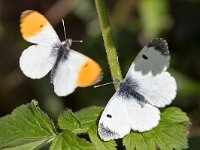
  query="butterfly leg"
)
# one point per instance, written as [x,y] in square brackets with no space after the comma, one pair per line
[117,81]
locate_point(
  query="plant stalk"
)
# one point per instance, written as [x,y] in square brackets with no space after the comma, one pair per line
[108,41]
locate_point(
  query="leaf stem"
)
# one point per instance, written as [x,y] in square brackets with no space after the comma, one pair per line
[108,41]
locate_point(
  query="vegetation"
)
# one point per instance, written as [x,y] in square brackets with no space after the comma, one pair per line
[133,24]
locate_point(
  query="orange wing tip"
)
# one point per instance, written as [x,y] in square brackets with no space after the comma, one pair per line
[99,78]
[25,14]
[32,22]
[89,74]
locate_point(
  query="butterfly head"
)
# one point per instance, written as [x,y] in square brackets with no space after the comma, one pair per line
[67,43]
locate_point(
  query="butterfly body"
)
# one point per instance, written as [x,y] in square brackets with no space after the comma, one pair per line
[62,53]
[128,90]
[69,69]
[146,87]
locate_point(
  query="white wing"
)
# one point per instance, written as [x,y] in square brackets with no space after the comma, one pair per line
[142,117]
[65,79]
[159,90]
[36,61]
[114,121]
[149,71]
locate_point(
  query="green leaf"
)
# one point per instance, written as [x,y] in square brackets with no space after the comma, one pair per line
[171,133]
[88,116]
[69,140]
[67,120]
[137,141]
[80,121]
[99,144]
[174,115]
[27,146]
[27,126]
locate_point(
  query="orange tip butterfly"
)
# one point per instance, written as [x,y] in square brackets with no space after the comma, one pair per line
[69,69]
[146,87]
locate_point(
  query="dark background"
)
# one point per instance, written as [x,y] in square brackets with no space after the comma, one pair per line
[134,23]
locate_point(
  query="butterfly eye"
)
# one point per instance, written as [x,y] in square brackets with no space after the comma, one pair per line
[145,57]
[109,116]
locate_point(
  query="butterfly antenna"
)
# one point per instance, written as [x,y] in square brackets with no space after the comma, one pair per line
[63,22]
[100,85]
[80,41]
[115,81]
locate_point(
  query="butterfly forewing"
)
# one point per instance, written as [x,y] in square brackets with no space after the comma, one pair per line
[114,121]
[35,28]
[153,59]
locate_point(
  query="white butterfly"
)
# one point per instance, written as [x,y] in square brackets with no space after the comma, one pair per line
[146,86]
[69,68]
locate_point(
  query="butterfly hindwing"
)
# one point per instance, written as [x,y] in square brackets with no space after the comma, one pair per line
[158,90]
[36,61]
[142,117]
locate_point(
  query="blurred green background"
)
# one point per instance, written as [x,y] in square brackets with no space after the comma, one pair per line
[134,23]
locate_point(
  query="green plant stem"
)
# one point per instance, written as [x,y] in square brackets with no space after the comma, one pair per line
[108,41]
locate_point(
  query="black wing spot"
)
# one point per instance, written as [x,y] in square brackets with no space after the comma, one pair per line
[86,65]
[107,133]
[41,25]
[109,116]
[160,45]
[145,57]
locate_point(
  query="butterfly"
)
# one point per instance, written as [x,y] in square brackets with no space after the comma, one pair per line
[69,69]
[146,87]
